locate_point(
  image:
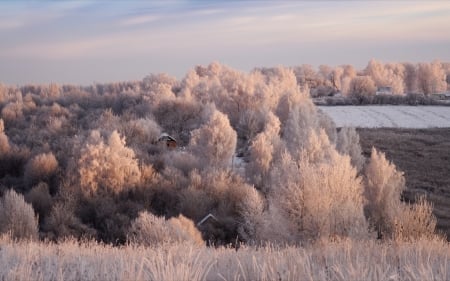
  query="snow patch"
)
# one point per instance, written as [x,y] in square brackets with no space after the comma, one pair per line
[374,116]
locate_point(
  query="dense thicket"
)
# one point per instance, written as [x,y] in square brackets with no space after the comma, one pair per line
[252,150]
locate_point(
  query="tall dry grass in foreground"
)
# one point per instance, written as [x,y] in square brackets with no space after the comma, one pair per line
[345,260]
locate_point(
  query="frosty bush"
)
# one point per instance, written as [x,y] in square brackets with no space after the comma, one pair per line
[150,230]
[40,168]
[184,229]
[39,197]
[390,217]
[62,223]
[415,221]
[17,217]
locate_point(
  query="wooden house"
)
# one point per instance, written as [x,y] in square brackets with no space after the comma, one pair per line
[167,140]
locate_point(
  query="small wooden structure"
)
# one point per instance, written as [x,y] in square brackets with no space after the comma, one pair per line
[385,90]
[169,141]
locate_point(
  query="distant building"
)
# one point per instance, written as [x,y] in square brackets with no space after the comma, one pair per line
[385,90]
[167,140]
[338,94]
[441,96]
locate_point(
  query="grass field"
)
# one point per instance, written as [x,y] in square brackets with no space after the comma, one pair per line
[424,156]
[328,261]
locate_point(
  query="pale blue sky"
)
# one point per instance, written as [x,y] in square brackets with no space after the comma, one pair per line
[100,41]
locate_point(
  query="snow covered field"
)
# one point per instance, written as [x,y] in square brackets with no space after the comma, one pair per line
[389,116]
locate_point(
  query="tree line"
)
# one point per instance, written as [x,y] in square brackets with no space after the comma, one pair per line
[252,149]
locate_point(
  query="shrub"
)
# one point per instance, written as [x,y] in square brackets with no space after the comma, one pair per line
[12,163]
[184,229]
[17,217]
[148,229]
[39,197]
[40,168]
[415,221]
[62,223]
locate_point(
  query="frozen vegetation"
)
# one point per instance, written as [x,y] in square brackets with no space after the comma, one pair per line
[111,181]
[328,261]
[373,116]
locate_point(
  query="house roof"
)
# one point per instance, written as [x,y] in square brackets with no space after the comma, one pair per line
[166,137]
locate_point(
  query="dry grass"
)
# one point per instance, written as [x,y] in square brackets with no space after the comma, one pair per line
[344,260]
[424,155]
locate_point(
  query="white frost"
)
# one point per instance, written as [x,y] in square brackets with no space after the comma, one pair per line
[375,116]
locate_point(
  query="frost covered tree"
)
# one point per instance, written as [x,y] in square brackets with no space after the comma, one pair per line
[17,217]
[411,78]
[387,75]
[158,87]
[383,188]
[215,141]
[306,76]
[348,143]
[297,115]
[302,118]
[321,195]
[109,166]
[262,150]
[347,76]
[362,87]
[250,209]
[431,78]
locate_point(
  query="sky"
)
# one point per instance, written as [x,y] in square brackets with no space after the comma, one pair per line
[85,42]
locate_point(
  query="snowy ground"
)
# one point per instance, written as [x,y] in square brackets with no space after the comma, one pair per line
[375,116]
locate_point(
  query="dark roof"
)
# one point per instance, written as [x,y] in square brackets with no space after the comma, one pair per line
[166,137]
